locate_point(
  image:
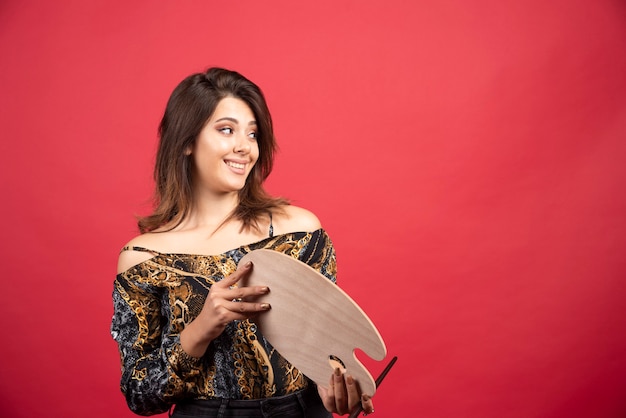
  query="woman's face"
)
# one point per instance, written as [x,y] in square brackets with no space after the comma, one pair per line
[226,149]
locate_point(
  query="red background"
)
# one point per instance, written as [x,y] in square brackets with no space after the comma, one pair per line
[466,157]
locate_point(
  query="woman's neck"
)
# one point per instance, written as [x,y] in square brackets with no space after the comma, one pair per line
[210,212]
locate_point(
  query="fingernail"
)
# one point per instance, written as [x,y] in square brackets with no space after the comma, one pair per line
[265,306]
[337,371]
[365,398]
[248,264]
[265,289]
[349,380]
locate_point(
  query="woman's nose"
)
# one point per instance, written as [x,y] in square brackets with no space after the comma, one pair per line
[242,144]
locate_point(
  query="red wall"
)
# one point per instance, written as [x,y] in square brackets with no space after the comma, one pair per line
[467,157]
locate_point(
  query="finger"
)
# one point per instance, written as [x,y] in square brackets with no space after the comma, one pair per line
[352,388]
[244,292]
[237,275]
[367,404]
[246,308]
[340,392]
[327,396]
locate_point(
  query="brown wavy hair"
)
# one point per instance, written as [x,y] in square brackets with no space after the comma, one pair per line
[188,109]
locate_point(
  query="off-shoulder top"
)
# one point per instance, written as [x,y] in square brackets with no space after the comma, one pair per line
[155,299]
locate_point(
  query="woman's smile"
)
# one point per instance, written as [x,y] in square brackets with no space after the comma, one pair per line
[237,166]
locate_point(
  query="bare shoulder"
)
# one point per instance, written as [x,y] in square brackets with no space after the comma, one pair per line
[295,219]
[129,257]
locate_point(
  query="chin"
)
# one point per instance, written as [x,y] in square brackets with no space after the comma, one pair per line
[235,188]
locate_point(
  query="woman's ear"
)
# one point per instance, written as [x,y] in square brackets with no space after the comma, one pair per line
[188,150]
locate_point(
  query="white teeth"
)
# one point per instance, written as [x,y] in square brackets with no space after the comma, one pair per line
[235,165]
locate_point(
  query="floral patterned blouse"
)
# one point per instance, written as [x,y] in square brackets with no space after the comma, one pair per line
[155,299]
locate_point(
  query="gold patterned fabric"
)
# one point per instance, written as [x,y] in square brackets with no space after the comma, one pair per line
[154,300]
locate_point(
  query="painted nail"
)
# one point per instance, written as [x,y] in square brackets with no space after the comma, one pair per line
[265,306]
[349,380]
[337,371]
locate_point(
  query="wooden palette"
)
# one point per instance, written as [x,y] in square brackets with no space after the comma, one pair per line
[312,320]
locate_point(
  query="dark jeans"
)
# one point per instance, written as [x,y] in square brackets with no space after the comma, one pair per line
[304,404]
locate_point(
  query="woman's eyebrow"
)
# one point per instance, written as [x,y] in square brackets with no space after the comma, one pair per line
[233,120]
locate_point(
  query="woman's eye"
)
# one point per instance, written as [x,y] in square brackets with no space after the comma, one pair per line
[226,130]
[253,135]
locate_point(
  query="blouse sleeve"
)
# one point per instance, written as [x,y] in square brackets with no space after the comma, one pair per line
[319,253]
[154,364]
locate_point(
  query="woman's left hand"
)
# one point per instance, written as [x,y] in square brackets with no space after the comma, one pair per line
[343,395]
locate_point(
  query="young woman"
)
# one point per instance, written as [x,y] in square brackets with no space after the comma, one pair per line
[182,325]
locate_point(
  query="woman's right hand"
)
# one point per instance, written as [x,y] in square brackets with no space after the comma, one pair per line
[225,303]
